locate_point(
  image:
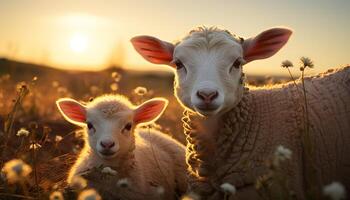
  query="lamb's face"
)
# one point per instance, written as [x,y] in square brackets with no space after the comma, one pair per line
[208,64]
[208,73]
[110,136]
[110,121]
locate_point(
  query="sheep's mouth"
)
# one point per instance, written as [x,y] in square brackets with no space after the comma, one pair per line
[207,109]
[107,153]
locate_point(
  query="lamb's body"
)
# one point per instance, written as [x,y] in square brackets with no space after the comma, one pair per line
[157,160]
[151,162]
[275,117]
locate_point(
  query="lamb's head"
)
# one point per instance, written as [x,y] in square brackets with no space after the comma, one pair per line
[110,120]
[208,64]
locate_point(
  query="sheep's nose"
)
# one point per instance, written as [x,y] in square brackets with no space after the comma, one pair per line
[207,95]
[107,144]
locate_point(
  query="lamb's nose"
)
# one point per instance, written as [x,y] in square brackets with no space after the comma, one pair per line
[107,144]
[207,95]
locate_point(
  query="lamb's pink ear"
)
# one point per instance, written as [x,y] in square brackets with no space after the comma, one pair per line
[265,44]
[72,111]
[154,50]
[150,110]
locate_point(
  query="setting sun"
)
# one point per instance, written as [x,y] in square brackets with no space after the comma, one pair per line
[78,43]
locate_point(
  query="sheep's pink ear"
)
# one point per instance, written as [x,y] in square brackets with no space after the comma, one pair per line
[154,50]
[150,110]
[72,111]
[266,44]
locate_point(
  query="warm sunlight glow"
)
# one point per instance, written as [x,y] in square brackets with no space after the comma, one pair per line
[79,43]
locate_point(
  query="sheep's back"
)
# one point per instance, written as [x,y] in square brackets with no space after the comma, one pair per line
[328,99]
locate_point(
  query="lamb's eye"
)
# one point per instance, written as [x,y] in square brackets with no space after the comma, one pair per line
[128,126]
[179,64]
[89,125]
[236,64]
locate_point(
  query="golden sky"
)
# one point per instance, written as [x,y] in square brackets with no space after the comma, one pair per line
[92,34]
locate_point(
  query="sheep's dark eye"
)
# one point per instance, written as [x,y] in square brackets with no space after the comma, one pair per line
[179,64]
[89,125]
[128,126]
[236,64]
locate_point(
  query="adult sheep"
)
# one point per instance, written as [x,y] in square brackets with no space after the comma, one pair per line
[232,131]
[148,159]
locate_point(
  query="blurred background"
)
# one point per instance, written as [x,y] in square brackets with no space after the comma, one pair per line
[93,35]
[81,49]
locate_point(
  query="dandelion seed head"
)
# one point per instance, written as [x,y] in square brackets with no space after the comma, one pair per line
[335,191]
[78,183]
[287,64]
[56,195]
[108,170]
[22,132]
[16,170]
[228,188]
[124,183]
[89,194]
[140,91]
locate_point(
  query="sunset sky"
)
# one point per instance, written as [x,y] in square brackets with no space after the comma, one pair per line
[92,34]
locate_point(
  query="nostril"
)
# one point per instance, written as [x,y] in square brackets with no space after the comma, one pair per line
[107,144]
[201,95]
[207,96]
[213,95]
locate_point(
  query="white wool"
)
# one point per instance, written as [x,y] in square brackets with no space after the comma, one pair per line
[143,155]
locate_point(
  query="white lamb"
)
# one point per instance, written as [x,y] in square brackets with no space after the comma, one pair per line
[232,131]
[148,160]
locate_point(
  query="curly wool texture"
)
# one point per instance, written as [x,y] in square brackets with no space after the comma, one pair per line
[266,118]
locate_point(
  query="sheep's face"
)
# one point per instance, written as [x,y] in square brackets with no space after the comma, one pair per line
[208,64]
[208,79]
[110,136]
[110,121]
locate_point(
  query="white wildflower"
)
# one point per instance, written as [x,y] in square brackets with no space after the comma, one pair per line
[114,86]
[335,190]
[58,138]
[283,153]
[124,182]
[160,190]
[190,196]
[55,84]
[287,64]
[140,91]
[34,146]
[306,62]
[22,132]
[108,170]
[78,183]
[116,76]
[89,194]
[16,170]
[228,188]
[56,195]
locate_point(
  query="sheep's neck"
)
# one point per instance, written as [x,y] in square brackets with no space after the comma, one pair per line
[214,145]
